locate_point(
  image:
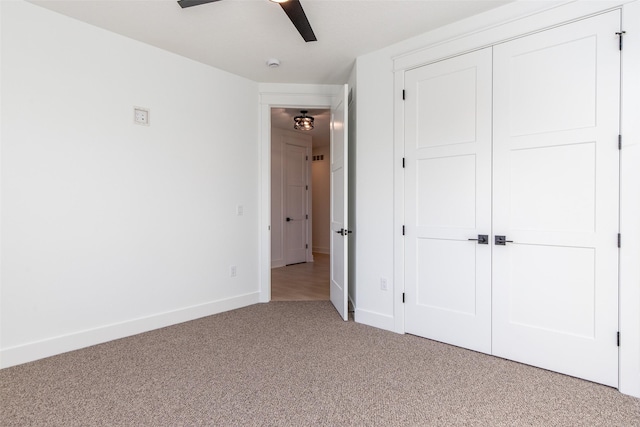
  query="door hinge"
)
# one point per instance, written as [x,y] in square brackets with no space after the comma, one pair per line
[620,35]
[306,187]
[306,157]
[403,230]
[306,217]
[619,240]
[618,338]
[306,246]
[403,297]
[403,159]
[403,95]
[619,142]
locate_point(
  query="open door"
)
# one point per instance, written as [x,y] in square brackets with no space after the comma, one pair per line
[339,290]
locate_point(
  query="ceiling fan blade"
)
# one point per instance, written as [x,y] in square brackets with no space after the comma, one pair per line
[189,3]
[294,11]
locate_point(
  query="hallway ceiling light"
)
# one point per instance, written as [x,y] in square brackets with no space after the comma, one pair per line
[303,122]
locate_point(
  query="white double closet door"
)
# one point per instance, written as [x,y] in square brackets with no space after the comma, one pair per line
[518,140]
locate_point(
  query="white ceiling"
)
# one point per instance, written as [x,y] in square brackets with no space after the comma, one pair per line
[240,35]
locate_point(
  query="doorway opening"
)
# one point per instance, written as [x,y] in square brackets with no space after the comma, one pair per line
[300,206]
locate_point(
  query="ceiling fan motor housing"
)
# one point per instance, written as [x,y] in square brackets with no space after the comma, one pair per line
[292,8]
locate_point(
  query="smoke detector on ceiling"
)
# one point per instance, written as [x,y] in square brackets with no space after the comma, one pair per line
[273,63]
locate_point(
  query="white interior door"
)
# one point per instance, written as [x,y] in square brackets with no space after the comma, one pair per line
[556,179]
[339,196]
[448,201]
[296,188]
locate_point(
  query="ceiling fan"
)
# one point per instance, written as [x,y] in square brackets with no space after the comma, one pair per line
[292,8]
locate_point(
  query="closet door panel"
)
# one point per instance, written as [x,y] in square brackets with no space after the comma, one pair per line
[555,195]
[448,201]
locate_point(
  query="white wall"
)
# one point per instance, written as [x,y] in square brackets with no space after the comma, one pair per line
[374,190]
[321,200]
[630,206]
[111,228]
[278,138]
[379,185]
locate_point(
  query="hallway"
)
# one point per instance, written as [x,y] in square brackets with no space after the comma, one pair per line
[301,282]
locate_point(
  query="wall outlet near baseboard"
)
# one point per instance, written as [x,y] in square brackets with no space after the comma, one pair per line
[383,284]
[233,271]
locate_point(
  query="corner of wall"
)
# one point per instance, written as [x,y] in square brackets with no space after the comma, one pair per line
[630,205]
[61,344]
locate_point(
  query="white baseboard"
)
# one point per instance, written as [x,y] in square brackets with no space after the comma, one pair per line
[321,250]
[377,320]
[277,263]
[50,347]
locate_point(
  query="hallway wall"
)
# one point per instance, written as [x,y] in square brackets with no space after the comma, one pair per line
[321,199]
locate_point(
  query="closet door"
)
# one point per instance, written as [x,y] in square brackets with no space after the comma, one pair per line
[448,201]
[555,189]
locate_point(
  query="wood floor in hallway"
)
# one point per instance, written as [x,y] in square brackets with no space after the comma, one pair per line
[301,282]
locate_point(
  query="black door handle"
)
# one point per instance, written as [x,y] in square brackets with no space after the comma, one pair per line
[341,231]
[483,239]
[502,240]
[288,219]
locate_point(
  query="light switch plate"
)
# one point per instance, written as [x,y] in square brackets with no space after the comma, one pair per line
[141,116]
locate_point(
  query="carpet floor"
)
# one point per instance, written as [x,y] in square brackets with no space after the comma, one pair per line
[296,364]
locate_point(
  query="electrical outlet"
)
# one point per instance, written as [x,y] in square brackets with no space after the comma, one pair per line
[383,283]
[233,271]
[240,210]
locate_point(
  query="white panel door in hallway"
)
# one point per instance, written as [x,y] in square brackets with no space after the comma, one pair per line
[556,181]
[296,189]
[448,201]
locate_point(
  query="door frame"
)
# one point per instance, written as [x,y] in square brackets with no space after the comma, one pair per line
[453,45]
[276,95]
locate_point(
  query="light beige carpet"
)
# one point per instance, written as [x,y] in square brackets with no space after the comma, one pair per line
[296,364]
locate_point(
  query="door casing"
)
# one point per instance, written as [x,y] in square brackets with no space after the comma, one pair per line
[280,96]
[472,38]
